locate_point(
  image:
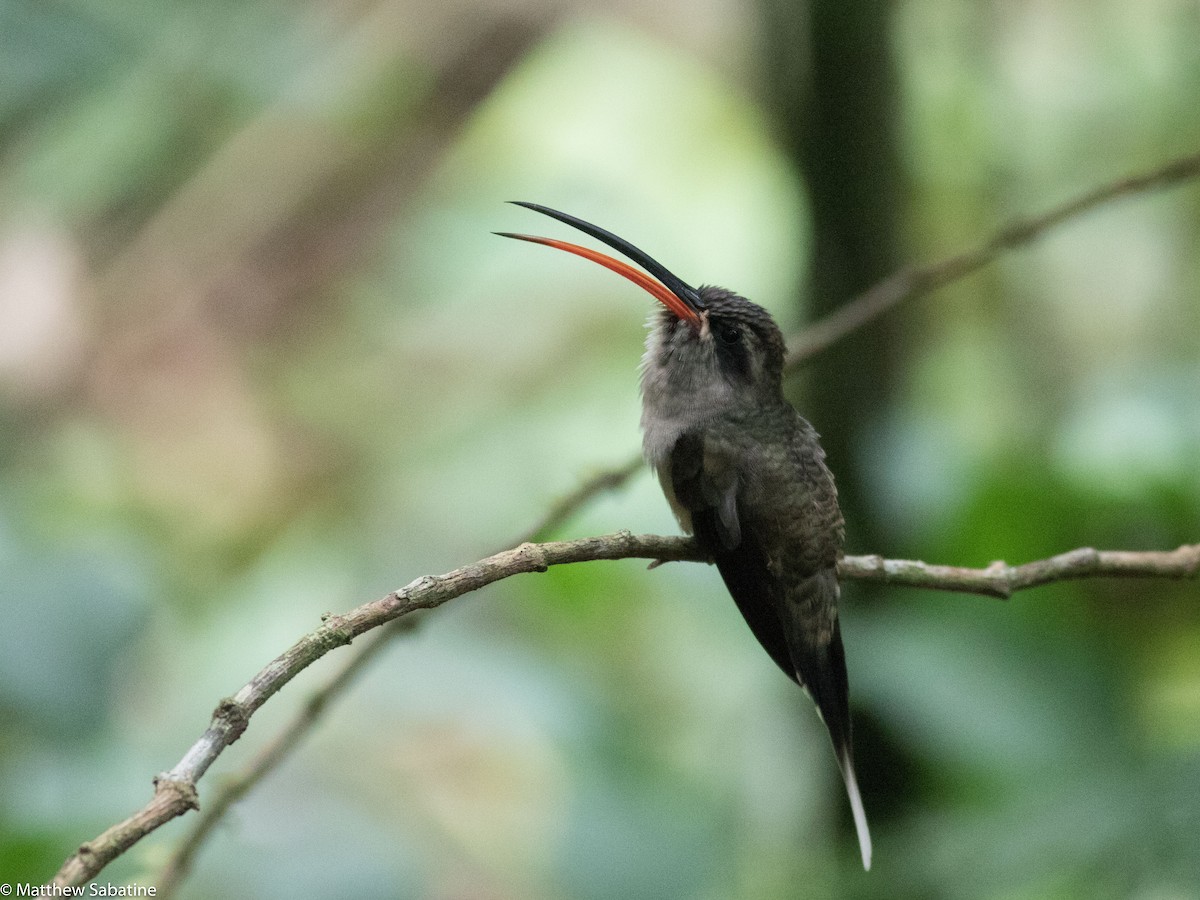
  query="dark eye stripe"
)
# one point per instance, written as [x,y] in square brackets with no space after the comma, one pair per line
[732,352]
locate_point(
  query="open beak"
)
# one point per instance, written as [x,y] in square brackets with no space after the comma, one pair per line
[683,300]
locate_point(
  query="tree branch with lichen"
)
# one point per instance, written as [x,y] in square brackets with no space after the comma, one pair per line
[175,791]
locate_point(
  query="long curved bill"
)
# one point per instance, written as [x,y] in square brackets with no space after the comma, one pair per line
[683,300]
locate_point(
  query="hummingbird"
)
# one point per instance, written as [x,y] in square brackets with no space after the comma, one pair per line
[744,473]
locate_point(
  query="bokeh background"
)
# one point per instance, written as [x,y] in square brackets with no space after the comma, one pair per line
[261,358]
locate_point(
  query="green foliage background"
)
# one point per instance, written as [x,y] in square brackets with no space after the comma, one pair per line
[260,358]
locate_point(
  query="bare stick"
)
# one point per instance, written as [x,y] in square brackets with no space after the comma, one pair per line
[1002,580]
[916,281]
[601,483]
[175,791]
[233,788]
[270,756]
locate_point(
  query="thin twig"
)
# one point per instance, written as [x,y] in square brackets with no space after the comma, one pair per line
[1002,580]
[175,791]
[234,787]
[916,281]
[609,480]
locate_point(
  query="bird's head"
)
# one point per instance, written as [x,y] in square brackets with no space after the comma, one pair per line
[709,346]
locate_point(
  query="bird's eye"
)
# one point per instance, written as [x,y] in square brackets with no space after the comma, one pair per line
[726,333]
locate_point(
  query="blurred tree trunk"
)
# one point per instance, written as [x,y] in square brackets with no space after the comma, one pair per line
[830,84]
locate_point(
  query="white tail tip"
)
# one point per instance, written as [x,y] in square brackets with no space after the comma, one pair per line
[856,807]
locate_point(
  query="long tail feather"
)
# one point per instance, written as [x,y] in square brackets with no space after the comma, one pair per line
[846,764]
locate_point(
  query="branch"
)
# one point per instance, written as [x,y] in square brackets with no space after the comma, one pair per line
[916,281]
[607,480]
[175,791]
[1002,580]
[270,756]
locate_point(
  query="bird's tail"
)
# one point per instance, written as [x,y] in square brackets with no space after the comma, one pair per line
[820,665]
[846,764]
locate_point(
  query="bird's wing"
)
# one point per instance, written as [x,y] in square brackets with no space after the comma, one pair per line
[704,482]
[783,579]
[786,592]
